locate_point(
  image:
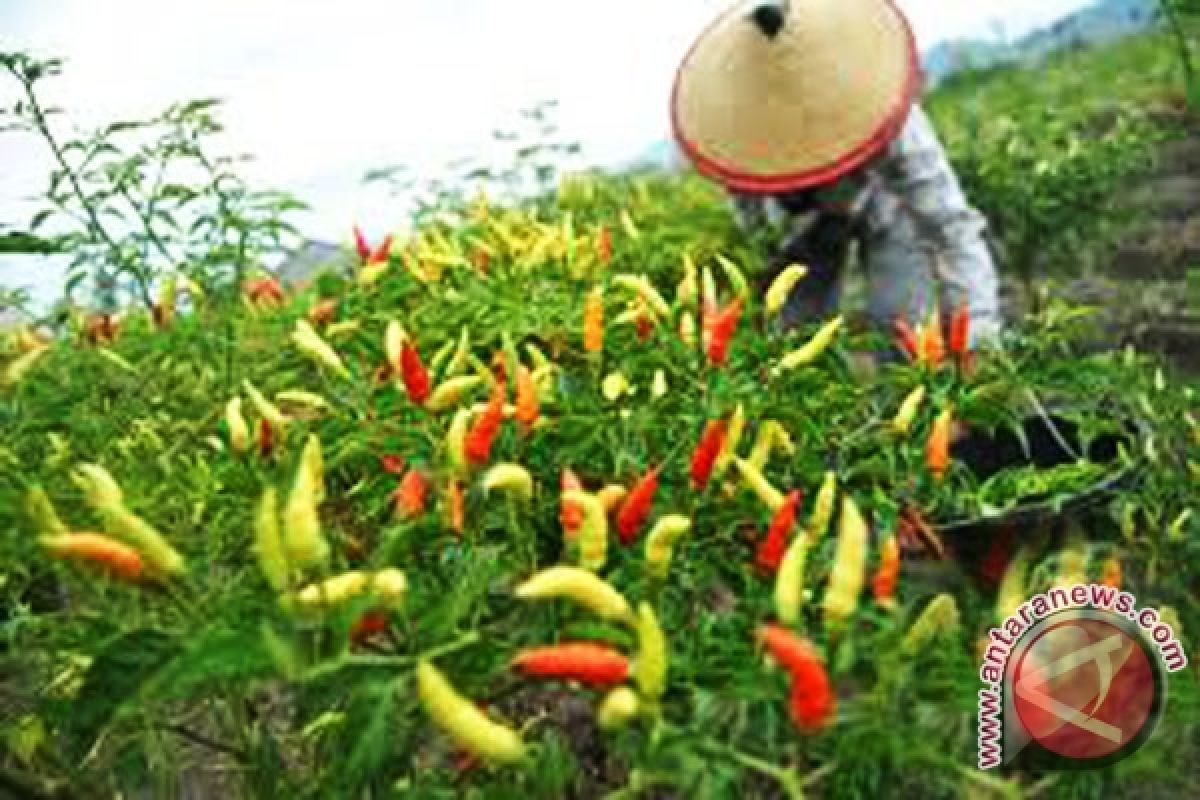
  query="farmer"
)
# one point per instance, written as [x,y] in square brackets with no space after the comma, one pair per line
[805,111]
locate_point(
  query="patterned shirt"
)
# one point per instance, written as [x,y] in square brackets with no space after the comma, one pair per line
[917,227]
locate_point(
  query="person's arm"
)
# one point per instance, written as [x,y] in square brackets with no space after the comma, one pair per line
[950,229]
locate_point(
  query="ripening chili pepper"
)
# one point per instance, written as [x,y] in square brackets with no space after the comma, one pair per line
[470,728]
[906,338]
[580,586]
[1111,573]
[937,447]
[526,397]
[42,512]
[789,581]
[158,554]
[604,244]
[650,669]
[774,544]
[569,514]
[478,442]
[416,377]
[849,563]
[118,559]
[660,543]
[371,623]
[322,312]
[960,331]
[883,583]
[724,325]
[907,413]
[618,707]
[593,321]
[705,455]
[360,244]
[410,494]
[456,505]
[933,345]
[636,507]
[590,663]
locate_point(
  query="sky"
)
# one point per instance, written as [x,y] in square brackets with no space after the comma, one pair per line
[322,91]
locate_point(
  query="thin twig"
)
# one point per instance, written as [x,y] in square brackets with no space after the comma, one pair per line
[204,741]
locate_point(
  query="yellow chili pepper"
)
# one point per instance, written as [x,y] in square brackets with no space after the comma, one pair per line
[618,707]
[239,431]
[771,436]
[810,352]
[660,542]
[456,453]
[393,342]
[460,359]
[615,385]
[627,224]
[737,281]
[687,328]
[268,544]
[301,398]
[509,477]
[371,273]
[659,387]
[266,409]
[343,328]
[309,342]
[733,437]
[939,616]
[470,728]
[153,546]
[650,669]
[850,559]
[450,392]
[42,512]
[593,532]
[388,586]
[20,366]
[781,287]
[689,287]
[580,586]
[302,539]
[100,489]
[903,420]
[789,582]
[313,462]
[823,507]
[611,497]
[771,497]
[641,285]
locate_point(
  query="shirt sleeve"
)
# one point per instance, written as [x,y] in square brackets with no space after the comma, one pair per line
[918,173]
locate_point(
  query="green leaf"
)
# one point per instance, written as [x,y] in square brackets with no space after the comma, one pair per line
[216,655]
[114,681]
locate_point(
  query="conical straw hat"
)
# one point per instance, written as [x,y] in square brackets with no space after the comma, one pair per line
[785,95]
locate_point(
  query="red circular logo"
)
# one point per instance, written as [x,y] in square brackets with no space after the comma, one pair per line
[1085,688]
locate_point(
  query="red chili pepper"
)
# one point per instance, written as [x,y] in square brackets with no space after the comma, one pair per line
[391,464]
[383,251]
[360,242]
[960,330]
[482,259]
[644,326]
[906,337]
[812,702]
[587,662]
[266,438]
[636,507]
[774,545]
[478,444]
[724,324]
[369,624]
[705,455]
[410,495]
[604,245]
[416,377]
[570,513]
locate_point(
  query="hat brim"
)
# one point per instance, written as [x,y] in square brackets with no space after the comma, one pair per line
[851,155]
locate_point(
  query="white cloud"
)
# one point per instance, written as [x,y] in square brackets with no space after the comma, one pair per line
[321,91]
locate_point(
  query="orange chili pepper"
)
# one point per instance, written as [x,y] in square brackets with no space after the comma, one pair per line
[478,444]
[570,513]
[593,321]
[604,245]
[323,311]
[457,506]
[937,448]
[526,400]
[116,558]
[1111,573]
[587,662]
[933,346]
[410,494]
[883,584]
